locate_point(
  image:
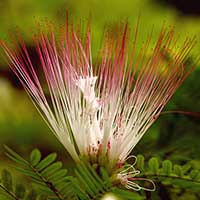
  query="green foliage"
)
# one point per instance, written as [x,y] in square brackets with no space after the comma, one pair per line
[126,194]
[16,191]
[35,157]
[153,165]
[140,162]
[51,181]
[7,180]
[164,172]
[167,167]
[47,173]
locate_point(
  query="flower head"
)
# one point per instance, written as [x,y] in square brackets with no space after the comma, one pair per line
[102,110]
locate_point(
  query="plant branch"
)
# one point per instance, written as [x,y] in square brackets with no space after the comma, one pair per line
[172,177]
[8,192]
[48,184]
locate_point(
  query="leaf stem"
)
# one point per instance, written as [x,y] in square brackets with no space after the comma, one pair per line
[172,177]
[8,192]
[48,184]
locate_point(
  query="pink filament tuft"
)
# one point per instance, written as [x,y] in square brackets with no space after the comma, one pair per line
[140,85]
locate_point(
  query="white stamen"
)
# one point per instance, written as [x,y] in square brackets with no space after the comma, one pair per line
[92,107]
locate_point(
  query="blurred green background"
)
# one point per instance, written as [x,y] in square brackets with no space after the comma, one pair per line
[173,136]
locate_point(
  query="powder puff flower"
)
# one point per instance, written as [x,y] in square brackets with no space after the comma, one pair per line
[101,110]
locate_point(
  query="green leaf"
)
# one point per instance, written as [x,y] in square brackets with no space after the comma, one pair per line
[93,176]
[178,170]
[140,162]
[15,157]
[81,193]
[105,176]
[51,169]
[46,161]
[41,171]
[57,175]
[18,193]
[35,157]
[86,177]
[85,184]
[167,167]
[27,172]
[187,184]
[186,167]
[153,165]
[194,174]
[7,180]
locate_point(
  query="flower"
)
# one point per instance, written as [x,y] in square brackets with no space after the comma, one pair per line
[101,111]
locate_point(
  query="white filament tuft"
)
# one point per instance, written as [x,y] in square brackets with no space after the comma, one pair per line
[128,177]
